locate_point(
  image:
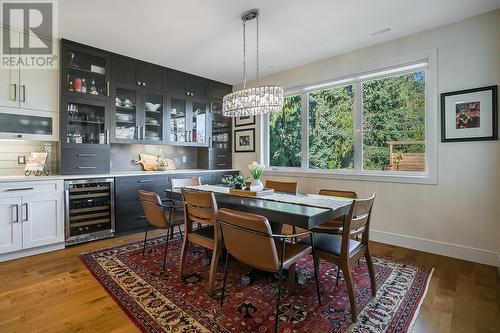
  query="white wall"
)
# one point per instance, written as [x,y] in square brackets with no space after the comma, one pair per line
[460,216]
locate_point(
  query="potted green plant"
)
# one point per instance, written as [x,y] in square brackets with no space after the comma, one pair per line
[256,170]
[234,181]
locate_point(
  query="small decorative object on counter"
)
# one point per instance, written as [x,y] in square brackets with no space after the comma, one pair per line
[36,163]
[236,181]
[256,170]
[151,163]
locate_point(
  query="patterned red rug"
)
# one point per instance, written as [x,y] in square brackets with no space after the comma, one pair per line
[160,301]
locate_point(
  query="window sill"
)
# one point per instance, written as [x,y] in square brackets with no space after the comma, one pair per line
[387,177]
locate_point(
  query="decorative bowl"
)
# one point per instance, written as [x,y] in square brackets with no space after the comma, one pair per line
[152,107]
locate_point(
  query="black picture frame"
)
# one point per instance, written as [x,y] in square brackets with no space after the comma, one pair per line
[494,116]
[237,119]
[236,141]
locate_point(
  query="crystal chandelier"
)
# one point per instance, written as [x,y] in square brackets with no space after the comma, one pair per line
[252,101]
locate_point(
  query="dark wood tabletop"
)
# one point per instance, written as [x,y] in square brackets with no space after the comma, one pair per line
[302,216]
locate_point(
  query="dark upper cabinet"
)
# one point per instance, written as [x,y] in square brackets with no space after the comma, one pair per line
[151,76]
[125,71]
[182,84]
[133,72]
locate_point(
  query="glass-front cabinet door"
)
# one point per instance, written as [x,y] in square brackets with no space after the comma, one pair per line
[86,72]
[153,117]
[198,132]
[85,122]
[125,122]
[178,121]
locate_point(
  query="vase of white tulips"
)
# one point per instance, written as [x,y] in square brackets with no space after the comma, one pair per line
[256,170]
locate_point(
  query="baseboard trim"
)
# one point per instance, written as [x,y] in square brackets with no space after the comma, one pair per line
[31,252]
[481,256]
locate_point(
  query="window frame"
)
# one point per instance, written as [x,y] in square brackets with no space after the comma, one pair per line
[402,65]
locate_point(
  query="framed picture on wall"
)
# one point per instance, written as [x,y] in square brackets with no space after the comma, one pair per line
[469,115]
[244,121]
[244,141]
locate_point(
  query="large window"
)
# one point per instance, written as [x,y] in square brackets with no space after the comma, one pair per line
[285,134]
[331,128]
[374,123]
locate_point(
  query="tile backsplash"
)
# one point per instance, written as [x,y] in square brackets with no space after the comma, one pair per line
[11,149]
[122,156]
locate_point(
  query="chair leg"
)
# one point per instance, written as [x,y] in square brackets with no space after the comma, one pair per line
[316,275]
[371,272]
[166,249]
[278,301]
[350,290]
[145,238]
[213,269]
[185,245]
[171,232]
[224,281]
[338,275]
[180,230]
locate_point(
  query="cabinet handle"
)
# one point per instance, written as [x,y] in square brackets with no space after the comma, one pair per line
[221,155]
[24,93]
[16,206]
[144,84]
[144,132]
[209,142]
[15,92]
[19,189]
[107,88]
[86,155]
[221,164]
[86,167]
[107,137]
[144,181]
[186,136]
[190,136]
[27,217]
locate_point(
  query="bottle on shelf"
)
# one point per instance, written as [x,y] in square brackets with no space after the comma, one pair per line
[93,89]
[84,86]
[77,84]
[70,87]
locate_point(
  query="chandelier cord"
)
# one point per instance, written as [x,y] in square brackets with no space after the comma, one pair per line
[244,56]
[257,39]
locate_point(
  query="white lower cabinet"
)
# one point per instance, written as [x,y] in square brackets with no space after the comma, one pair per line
[11,232]
[31,218]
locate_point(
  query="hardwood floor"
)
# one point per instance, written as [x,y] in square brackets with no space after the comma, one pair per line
[54,292]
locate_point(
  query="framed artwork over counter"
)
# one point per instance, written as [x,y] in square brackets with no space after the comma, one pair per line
[244,141]
[469,115]
[244,121]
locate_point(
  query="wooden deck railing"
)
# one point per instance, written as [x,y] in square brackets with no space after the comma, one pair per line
[405,161]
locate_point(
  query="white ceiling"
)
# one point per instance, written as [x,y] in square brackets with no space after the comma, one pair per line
[203,37]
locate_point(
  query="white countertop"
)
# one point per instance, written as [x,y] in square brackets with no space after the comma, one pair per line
[108,175]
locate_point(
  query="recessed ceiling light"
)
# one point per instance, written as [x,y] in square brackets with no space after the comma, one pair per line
[379,32]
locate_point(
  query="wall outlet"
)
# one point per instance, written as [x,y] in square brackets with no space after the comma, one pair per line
[184,159]
[21,160]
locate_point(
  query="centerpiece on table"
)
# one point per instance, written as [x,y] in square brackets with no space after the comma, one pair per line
[256,170]
[234,181]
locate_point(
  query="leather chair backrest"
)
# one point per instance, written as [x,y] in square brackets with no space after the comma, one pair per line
[339,193]
[199,206]
[181,182]
[151,204]
[357,221]
[254,249]
[288,187]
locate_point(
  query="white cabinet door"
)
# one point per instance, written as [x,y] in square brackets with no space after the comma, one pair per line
[42,217]
[11,235]
[38,88]
[9,78]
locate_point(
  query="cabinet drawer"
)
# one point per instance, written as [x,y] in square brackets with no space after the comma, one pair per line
[127,187]
[84,155]
[220,163]
[85,167]
[130,217]
[32,187]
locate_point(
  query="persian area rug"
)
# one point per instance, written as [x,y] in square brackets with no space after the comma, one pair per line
[163,301]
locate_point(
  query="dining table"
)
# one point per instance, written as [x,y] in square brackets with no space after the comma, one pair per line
[300,210]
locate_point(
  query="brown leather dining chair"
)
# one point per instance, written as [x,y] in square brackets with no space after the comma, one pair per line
[178,183]
[343,250]
[159,215]
[248,238]
[201,207]
[288,187]
[334,226]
